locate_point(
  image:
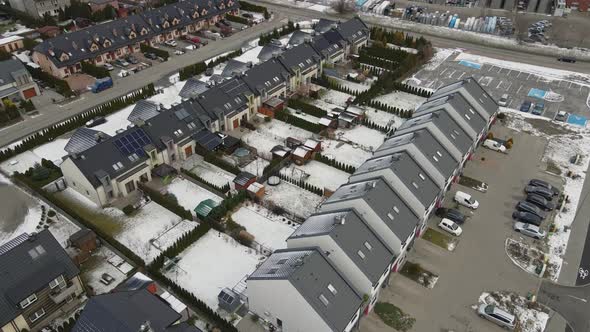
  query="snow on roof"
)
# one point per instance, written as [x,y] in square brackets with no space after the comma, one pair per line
[255,187]
[301,151]
[311,143]
[176,305]
[325,121]
[10,39]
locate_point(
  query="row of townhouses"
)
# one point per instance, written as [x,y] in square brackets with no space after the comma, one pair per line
[104,168]
[62,55]
[337,261]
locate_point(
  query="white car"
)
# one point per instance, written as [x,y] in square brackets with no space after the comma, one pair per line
[179,52]
[171,43]
[529,230]
[450,226]
[465,199]
[493,145]
[108,66]
[503,100]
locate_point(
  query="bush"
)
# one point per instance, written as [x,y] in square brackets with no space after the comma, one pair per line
[167,201]
[51,213]
[128,210]
[267,119]
[336,164]
[237,19]
[298,122]
[501,116]
[27,105]
[96,71]
[158,52]
[302,184]
[192,70]
[221,59]
[252,7]
[304,107]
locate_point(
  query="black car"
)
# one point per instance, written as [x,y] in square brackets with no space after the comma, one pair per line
[544,184]
[247,15]
[569,59]
[96,121]
[527,217]
[150,56]
[540,201]
[452,214]
[541,191]
[132,59]
[531,208]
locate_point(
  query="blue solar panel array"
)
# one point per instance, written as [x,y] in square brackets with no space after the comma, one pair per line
[132,142]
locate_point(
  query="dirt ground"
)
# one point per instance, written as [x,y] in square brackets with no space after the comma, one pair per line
[79,82]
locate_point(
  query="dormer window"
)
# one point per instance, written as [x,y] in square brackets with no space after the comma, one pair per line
[165,25]
[175,21]
[368,246]
[191,126]
[107,43]
[133,157]
[132,35]
[324,300]
[28,301]
[422,176]
[118,166]
[93,47]
[332,289]
[143,31]
[58,282]
[178,133]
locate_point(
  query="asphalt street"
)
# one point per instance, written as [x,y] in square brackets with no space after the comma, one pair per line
[571,302]
[54,113]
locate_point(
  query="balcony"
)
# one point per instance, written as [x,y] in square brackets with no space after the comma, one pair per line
[59,295]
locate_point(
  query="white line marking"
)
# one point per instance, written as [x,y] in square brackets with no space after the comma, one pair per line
[499,70]
[538,78]
[509,85]
[519,89]
[518,74]
[442,72]
[463,73]
[570,85]
[498,86]
[491,68]
[578,298]
[510,71]
[527,78]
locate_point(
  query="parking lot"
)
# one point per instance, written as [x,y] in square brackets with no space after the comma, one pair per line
[479,262]
[570,95]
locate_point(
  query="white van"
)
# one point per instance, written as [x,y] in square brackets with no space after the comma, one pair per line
[466,200]
[493,145]
[497,315]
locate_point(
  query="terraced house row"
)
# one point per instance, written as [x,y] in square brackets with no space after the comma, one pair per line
[105,168]
[337,261]
[61,56]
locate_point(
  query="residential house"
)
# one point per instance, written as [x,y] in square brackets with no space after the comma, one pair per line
[143,111]
[231,102]
[388,214]
[49,31]
[84,138]
[355,32]
[302,290]
[193,88]
[299,37]
[352,246]
[98,5]
[38,282]
[324,25]
[61,56]
[331,46]
[234,67]
[39,8]
[11,44]
[269,51]
[304,63]
[267,80]
[409,180]
[136,310]
[16,83]
[113,168]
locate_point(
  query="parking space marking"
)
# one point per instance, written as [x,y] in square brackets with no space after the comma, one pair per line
[559,84]
[453,73]
[498,86]
[463,73]
[509,85]
[442,72]
[570,85]
[520,87]
[509,72]
[499,70]
[538,78]
[491,68]
[517,76]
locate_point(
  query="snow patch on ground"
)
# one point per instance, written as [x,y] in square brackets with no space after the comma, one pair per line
[213,174]
[269,229]
[317,174]
[345,153]
[529,314]
[296,201]
[441,55]
[368,138]
[189,195]
[215,261]
[256,166]
[401,100]
[383,118]
[336,97]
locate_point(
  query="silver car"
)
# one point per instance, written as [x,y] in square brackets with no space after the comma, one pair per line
[529,230]
[497,315]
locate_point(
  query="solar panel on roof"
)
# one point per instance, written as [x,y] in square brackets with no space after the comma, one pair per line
[132,142]
[181,114]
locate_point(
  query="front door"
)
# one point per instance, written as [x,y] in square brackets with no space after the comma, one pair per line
[188,151]
[236,123]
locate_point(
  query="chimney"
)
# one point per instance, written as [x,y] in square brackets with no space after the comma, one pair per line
[339,220]
[146,327]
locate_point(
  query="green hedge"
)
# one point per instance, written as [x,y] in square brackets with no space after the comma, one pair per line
[298,122]
[228,204]
[304,107]
[302,184]
[277,33]
[224,189]
[375,126]
[192,70]
[254,8]
[60,86]
[237,19]
[95,71]
[166,202]
[403,113]
[181,244]
[224,58]
[50,133]
[336,164]
[149,49]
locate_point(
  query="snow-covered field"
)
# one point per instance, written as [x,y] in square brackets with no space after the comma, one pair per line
[213,174]
[269,229]
[530,317]
[189,195]
[317,174]
[358,87]
[441,55]
[98,264]
[401,100]
[269,134]
[361,135]
[333,97]
[255,167]
[294,200]
[383,118]
[215,261]
[345,153]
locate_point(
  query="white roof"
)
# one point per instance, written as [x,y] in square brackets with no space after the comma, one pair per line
[301,151]
[174,302]
[311,143]
[255,187]
[9,39]
[325,121]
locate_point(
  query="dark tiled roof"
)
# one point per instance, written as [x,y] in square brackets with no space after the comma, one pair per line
[324,25]
[7,68]
[300,58]
[268,51]
[353,29]
[225,98]
[178,123]
[192,88]
[28,263]
[266,76]
[83,139]
[298,37]
[233,67]
[143,111]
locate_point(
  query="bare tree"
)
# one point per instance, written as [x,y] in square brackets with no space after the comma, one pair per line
[343,6]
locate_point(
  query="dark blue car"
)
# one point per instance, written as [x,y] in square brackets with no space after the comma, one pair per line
[526,106]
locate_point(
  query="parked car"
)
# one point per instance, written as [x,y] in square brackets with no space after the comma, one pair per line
[247,15]
[494,145]
[525,206]
[179,52]
[527,217]
[465,199]
[121,63]
[541,202]
[452,214]
[569,59]
[106,279]
[150,56]
[450,227]
[108,66]
[132,59]
[541,191]
[539,108]
[498,316]
[529,230]
[526,106]
[503,100]
[561,116]
[96,121]
[544,184]
[171,43]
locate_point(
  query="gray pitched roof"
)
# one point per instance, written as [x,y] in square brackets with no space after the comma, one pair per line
[178,123]
[455,101]
[324,25]
[384,201]
[409,172]
[300,58]
[8,68]
[268,51]
[233,66]
[193,88]
[479,94]
[329,43]
[298,37]
[310,272]
[143,111]
[126,311]
[83,139]
[225,98]
[28,263]
[266,76]
[350,232]
[353,29]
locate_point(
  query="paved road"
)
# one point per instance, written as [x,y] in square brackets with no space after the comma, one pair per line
[56,113]
[571,302]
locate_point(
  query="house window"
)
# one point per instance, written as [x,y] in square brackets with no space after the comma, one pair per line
[133,157]
[435,158]
[324,300]
[415,184]
[368,246]
[332,289]
[28,301]
[361,254]
[58,282]
[390,216]
[130,186]
[396,209]
[422,176]
[36,315]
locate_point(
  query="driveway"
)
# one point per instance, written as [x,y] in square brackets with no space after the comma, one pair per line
[479,262]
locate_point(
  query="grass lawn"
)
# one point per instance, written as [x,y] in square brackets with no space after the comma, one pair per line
[105,222]
[440,239]
[420,275]
[394,316]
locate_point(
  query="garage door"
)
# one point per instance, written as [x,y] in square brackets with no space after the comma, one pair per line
[29,93]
